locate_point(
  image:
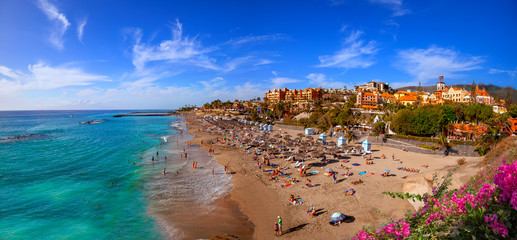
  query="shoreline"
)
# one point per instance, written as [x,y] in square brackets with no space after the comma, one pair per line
[191,203]
[262,201]
[259,208]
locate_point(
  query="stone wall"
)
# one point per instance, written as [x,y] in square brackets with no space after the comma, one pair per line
[281,126]
[412,146]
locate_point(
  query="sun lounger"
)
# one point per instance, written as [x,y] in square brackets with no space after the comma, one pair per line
[296,164]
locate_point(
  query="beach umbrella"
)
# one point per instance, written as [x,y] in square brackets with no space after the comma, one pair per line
[329,170]
[337,216]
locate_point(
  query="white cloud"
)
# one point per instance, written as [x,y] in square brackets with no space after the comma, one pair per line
[44,77]
[226,67]
[60,21]
[354,54]
[186,51]
[8,72]
[86,92]
[179,48]
[212,83]
[395,5]
[263,62]
[510,73]
[248,91]
[274,73]
[80,29]
[427,64]
[256,39]
[344,27]
[278,82]
[320,80]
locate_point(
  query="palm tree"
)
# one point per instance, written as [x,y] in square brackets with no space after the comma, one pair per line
[350,136]
[489,140]
[444,144]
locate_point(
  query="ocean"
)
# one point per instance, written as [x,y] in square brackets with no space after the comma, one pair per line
[60,179]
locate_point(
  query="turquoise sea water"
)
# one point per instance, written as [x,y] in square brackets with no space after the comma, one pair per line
[57,183]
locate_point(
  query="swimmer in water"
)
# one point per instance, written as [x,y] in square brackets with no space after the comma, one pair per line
[163,171]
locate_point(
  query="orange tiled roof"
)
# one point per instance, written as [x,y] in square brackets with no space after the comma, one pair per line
[407,98]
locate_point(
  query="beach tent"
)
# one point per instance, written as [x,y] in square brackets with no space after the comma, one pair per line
[270,128]
[341,141]
[309,131]
[251,122]
[367,146]
[377,119]
[323,137]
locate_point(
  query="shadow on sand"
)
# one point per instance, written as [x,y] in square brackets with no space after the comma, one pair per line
[294,229]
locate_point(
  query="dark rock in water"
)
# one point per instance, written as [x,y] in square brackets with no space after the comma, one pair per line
[23,137]
[93,122]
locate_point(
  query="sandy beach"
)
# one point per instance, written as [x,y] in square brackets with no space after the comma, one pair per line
[263,199]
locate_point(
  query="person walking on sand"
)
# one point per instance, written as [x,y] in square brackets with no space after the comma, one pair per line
[334,177]
[276,228]
[213,171]
[279,226]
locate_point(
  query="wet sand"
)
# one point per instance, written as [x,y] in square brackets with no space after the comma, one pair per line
[194,204]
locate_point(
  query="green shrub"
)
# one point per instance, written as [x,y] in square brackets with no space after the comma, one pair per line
[431,147]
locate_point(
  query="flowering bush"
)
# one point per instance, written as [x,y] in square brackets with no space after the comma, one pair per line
[485,208]
[506,179]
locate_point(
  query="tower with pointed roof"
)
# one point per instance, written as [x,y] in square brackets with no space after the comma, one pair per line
[440,85]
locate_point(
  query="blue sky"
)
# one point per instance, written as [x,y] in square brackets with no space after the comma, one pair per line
[63,54]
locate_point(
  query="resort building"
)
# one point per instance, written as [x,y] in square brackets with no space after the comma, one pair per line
[373,86]
[367,99]
[408,97]
[456,95]
[294,96]
[387,98]
[275,96]
[468,131]
[444,93]
[499,109]
[483,97]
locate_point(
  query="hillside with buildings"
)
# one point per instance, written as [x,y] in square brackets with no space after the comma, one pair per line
[464,112]
[492,90]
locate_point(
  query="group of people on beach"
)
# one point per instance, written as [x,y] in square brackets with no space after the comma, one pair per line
[409,169]
[278,227]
